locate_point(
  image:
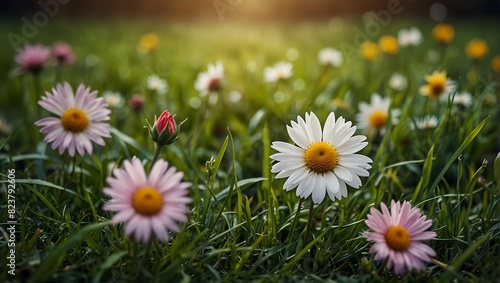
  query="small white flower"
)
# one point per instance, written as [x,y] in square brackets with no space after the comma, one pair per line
[374,116]
[410,37]
[210,81]
[398,82]
[427,122]
[158,85]
[330,56]
[280,71]
[113,99]
[322,161]
[464,98]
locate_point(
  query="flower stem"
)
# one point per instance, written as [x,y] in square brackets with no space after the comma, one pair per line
[158,148]
[309,230]
[295,220]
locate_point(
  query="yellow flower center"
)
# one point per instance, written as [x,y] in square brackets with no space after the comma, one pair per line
[321,157]
[398,238]
[147,201]
[378,119]
[74,120]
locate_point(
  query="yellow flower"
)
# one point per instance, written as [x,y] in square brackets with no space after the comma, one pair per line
[147,43]
[437,85]
[443,33]
[476,49]
[495,63]
[388,44]
[369,51]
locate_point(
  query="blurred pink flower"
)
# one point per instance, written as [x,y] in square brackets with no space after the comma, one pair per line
[136,103]
[80,119]
[32,58]
[63,53]
[398,236]
[148,204]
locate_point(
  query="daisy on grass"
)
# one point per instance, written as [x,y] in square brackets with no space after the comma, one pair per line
[330,57]
[80,119]
[437,85]
[321,161]
[148,204]
[280,71]
[427,122]
[398,236]
[210,81]
[374,116]
[410,37]
[398,82]
[113,99]
[63,53]
[464,98]
[32,58]
[157,85]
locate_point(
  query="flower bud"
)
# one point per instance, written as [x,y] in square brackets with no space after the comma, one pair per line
[165,130]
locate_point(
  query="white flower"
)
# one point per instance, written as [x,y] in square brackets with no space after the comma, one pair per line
[280,71]
[410,37]
[398,82]
[321,161]
[427,122]
[330,56]
[211,80]
[374,116]
[464,98]
[158,85]
[113,99]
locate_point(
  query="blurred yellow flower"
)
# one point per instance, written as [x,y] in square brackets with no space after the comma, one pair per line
[495,63]
[437,85]
[443,33]
[369,51]
[339,103]
[147,43]
[388,44]
[476,49]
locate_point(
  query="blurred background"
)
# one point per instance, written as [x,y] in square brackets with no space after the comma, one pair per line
[250,10]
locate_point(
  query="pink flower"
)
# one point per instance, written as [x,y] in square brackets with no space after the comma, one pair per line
[80,119]
[398,236]
[165,130]
[148,204]
[63,53]
[136,103]
[32,58]
[165,119]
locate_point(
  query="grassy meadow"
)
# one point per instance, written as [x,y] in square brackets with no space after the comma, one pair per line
[243,227]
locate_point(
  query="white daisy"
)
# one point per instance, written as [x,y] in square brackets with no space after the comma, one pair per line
[330,56]
[410,37]
[398,82]
[280,71]
[210,81]
[374,116]
[113,99]
[427,122]
[321,161]
[464,98]
[158,85]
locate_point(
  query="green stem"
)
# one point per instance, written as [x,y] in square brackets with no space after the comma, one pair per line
[309,230]
[158,148]
[295,220]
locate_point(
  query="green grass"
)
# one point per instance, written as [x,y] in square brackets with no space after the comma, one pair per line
[242,224]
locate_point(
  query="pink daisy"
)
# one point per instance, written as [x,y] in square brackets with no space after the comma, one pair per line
[79,122]
[148,204]
[398,236]
[63,53]
[32,58]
